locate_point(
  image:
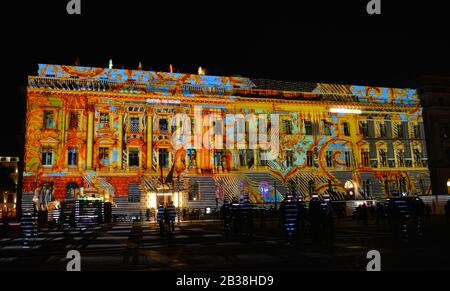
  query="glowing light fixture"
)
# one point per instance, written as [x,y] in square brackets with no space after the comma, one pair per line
[345,110]
[201,71]
[448,183]
[151,200]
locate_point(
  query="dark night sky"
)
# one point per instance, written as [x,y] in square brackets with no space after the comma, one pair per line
[317,42]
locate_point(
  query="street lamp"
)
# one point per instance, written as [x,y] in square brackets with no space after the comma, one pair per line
[349,187]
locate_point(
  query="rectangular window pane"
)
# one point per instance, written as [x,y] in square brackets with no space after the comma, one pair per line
[133,157]
[364,128]
[308,127]
[329,159]
[134,124]
[309,158]
[346,128]
[289,158]
[326,127]
[347,159]
[163,158]
[72,157]
[47,157]
[49,121]
[365,158]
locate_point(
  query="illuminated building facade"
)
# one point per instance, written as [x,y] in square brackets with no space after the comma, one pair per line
[108,133]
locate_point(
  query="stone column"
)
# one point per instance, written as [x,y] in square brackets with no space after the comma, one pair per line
[119,142]
[149,140]
[90,135]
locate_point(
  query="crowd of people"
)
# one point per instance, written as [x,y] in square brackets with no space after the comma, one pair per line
[403,216]
[238,218]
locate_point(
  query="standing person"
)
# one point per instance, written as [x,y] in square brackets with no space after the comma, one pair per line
[246,213]
[328,221]
[418,215]
[289,211]
[160,218]
[172,214]
[301,214]
[314,218]
[364,213]
[226,215]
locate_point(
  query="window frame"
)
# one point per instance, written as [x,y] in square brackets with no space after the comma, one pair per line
[53,120]
[46,151]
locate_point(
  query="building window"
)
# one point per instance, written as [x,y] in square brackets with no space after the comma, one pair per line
[163,158]
[326,127]
[381,126]
[383,157]
[49,119]
[400,158]
[47,157]
[287,126]
[365,157]
[308,127]
[10,199]
[163,126]
[400,130]
[72,157]
[329,159]
[416,131]
[218,159]
[289,158]
[134,124]
[242,158]
[104,120]
[346,128]
[348,160]
[74,120]
[103,156]
[309,159]
[417,157]
[133,157]
[364,128]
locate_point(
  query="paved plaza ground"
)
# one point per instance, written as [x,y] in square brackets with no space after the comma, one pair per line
[203,246]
